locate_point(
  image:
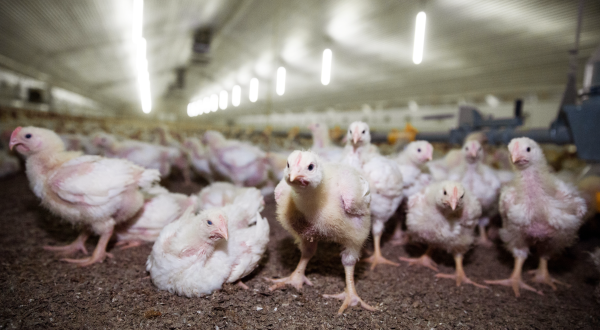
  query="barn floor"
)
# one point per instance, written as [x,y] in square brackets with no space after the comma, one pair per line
[39,291]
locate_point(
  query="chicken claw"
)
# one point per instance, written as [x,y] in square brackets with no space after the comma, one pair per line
[377,258]
[349,300]
[424,260]
[541,275]
[99,253]
[295,279]
[77,245]
[128,244]
[460,275]
[349,296]
[515,280]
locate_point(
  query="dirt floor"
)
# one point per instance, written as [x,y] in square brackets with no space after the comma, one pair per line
[40,291]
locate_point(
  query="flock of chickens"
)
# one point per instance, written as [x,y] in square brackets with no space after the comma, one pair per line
[326,194]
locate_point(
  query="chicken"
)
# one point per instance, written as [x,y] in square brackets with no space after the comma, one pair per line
[241,163]
[9,164]
[443,216]
[385,182]
[322,145]
[160,208]
[359,149]
[316,201]
[196,254]
[538,210]
[277,162]
[198,157]
[141,153]
[596,260]
[91,190]
[178,153]
[481,181]
[411,161]
[220,194]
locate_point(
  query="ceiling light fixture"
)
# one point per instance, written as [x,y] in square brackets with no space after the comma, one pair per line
[223,99]
[280,81]
[419,38]
[206,105]
[236,95]
[326,69]
[253,95]
[140,48]
[214,103]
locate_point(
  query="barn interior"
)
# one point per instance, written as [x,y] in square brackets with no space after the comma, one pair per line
[272,77]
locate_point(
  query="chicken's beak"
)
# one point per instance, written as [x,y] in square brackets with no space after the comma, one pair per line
[356,136]
[294,174]
[454,199]
[13,138]
[223,231]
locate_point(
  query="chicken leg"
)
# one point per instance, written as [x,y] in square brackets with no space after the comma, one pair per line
[297,278]
[541,275]
[424,260]
[460,275]
[483,237]
[77,245]
[400,237]
[377,258]
[515,280]
[99,252]
[349,296]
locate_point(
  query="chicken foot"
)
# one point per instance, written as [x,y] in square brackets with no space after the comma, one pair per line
[541,275]
[424,260]
[77,245]
[377,258]
[460,275]
[128,244]
[297,278]
[99,252]
[349,296]
[515,280]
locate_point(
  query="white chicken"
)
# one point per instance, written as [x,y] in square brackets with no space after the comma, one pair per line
[538,210]
[322,145]
[196,254]
[443,216]
[241,163]
[359,149]
[411,162]
[91,190]
[199,158]
[481,181]
[385,183]
[160,208]
[141,153]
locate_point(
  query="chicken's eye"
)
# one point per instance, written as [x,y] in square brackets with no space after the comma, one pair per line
[209,222]
[28,136]
[528,149]
[467,148]
[364,131]
[288,164]
[311,167]
[419,150]
[463,195]
[350,131]
[445,192]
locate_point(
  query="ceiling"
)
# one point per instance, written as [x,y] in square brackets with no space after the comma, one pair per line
[472,48]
